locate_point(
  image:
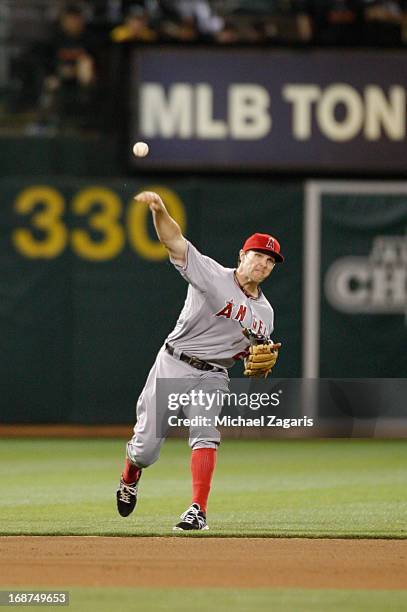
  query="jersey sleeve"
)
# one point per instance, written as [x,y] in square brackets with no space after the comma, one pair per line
[271,322]
[267,317]
[199,270]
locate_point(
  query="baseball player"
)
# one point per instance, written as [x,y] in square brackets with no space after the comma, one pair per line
[225,318]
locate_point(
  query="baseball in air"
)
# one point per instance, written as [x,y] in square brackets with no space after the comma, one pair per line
[140,149]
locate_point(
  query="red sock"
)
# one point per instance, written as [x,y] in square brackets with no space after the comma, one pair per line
[130,473]
[203,462]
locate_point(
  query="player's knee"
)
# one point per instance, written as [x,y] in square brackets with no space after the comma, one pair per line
[142,457]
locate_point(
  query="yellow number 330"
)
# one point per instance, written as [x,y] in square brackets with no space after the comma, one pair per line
[100,236]
[48,236]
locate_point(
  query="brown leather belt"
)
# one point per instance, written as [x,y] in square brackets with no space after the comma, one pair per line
[195,362]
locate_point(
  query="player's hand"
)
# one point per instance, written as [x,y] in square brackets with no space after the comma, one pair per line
[153,200]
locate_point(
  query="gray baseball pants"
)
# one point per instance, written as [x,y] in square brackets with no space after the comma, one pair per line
[144,447]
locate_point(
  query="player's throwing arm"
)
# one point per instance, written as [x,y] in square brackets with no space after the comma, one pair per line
[168,231]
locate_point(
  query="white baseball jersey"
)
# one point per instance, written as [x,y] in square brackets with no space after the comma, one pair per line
[216,311]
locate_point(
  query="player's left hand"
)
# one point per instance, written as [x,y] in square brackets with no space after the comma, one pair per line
[262,359]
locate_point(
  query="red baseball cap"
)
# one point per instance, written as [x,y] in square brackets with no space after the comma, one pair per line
[264,243]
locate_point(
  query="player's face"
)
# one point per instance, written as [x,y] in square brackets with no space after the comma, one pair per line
[257,266]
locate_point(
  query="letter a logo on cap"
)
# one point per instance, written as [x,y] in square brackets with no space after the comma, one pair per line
[266,243]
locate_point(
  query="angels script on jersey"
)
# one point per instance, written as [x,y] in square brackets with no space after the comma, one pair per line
[238,313]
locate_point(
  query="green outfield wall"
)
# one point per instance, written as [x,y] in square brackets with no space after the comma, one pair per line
[88,295]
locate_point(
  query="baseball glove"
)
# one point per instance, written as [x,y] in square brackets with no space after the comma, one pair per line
[263,354]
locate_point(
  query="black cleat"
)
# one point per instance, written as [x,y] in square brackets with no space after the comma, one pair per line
[126,496]
[192,518]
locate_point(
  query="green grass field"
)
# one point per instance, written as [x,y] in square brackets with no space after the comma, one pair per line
[330,488]
[311,488]
[232,600]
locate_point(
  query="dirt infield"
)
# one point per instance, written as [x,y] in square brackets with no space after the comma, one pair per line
[202,562]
